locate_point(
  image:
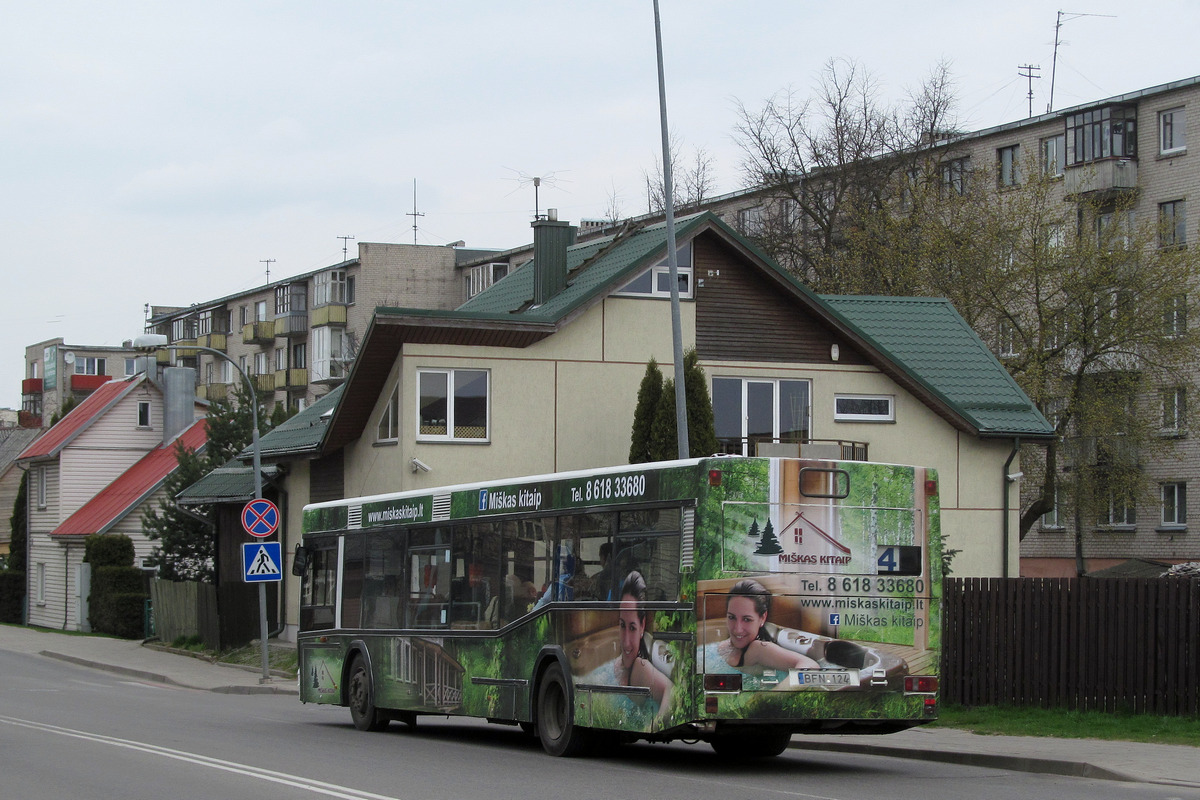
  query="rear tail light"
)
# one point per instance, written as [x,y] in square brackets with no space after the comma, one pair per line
[921,684]
[930,487]
[722,683]
[714,477]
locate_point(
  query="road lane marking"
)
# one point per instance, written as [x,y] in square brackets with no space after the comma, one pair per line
[318,787]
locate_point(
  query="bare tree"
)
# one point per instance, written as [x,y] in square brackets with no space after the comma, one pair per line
[693,179]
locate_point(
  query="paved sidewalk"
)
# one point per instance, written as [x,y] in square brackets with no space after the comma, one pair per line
[149,663]
[1085,758]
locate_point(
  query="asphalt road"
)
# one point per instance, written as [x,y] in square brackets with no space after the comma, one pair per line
[71,732]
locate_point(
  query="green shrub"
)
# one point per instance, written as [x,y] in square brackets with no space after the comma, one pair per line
[108,550]
[12,590]
[127,612]
[109,609]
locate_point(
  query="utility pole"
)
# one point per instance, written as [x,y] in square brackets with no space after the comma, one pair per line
[1028,75]
[268,262]
[345,240]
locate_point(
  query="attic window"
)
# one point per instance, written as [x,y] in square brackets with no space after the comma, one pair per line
[656,281]
[143,414]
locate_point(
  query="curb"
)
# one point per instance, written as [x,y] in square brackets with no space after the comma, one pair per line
[1045,766]
[159,678]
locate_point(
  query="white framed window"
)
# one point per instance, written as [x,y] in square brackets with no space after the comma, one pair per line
[1172,131]
[954,176]
[1175,316]
[1006,340]
[39,592]
[130,367]
[280,358]
[1174,411]
[1009,165]
[1119,511]
[453,405]
[751,410]
[329,355]
[864,408]
[260,311]
[1172,223]
[1174,504]
[656,281]
[40,477]
[1053,155]
[261,366]
[299,355]
[334,286]
[143,414]
[1052,519]
[750,220]
[389,421]
[89,365]
[482,276]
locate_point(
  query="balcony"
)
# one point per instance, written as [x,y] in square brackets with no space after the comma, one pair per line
[1113,176]
[830,449]
[293,323]
[31,386]
[216,341]
[87,383]
[263,383]
[27,419]
[213,391]
[291,378]
[259,332]
[332,314]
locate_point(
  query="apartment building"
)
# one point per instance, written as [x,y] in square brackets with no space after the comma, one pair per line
[296,337]
[1130,150]
[55,370]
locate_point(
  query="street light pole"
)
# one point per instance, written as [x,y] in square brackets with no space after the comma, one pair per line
[149,342]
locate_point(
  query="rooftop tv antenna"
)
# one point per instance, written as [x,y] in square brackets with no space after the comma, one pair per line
[345,240]
[414,213]
[1028,74]
[548,178]
[1070,15]
[268,262]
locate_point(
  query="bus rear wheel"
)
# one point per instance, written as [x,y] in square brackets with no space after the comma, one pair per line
[361,695]
[556,716]
[765,744]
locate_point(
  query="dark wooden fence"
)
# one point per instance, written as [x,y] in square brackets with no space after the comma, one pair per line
[1103,644]
[224,616]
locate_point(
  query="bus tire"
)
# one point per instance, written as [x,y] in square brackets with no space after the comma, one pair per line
[556,716]
[765,744]
[361,696]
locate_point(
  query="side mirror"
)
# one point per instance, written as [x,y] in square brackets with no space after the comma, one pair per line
[300,562]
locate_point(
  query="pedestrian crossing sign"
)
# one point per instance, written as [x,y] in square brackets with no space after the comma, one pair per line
[262,561]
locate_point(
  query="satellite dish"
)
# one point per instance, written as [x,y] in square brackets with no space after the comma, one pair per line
[69,357]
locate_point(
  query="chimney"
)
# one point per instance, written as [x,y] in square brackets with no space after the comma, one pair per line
[551,239]
[179,401]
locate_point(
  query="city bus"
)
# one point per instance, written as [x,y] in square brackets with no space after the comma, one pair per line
[731,600]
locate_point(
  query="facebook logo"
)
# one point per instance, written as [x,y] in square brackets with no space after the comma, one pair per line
[835,619]
[483,499]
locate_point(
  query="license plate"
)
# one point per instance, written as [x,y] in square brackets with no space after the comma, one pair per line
[823,677]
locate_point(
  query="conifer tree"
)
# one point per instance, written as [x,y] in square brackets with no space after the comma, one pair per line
[648,396]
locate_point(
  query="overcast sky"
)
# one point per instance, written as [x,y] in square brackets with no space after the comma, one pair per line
[157,152]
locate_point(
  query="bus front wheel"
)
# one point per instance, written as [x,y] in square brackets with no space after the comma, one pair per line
[556,716]
[362,698]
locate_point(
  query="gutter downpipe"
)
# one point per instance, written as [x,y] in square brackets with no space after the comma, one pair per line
[1005,482]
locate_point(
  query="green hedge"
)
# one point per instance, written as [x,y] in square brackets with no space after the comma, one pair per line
[127,613]
[12,590]
[108,550]
[117,600]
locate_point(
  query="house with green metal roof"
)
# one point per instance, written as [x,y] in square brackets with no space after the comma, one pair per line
[539,374]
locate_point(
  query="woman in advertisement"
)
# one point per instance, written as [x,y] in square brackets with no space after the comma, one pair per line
[750,644]
[634,667]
